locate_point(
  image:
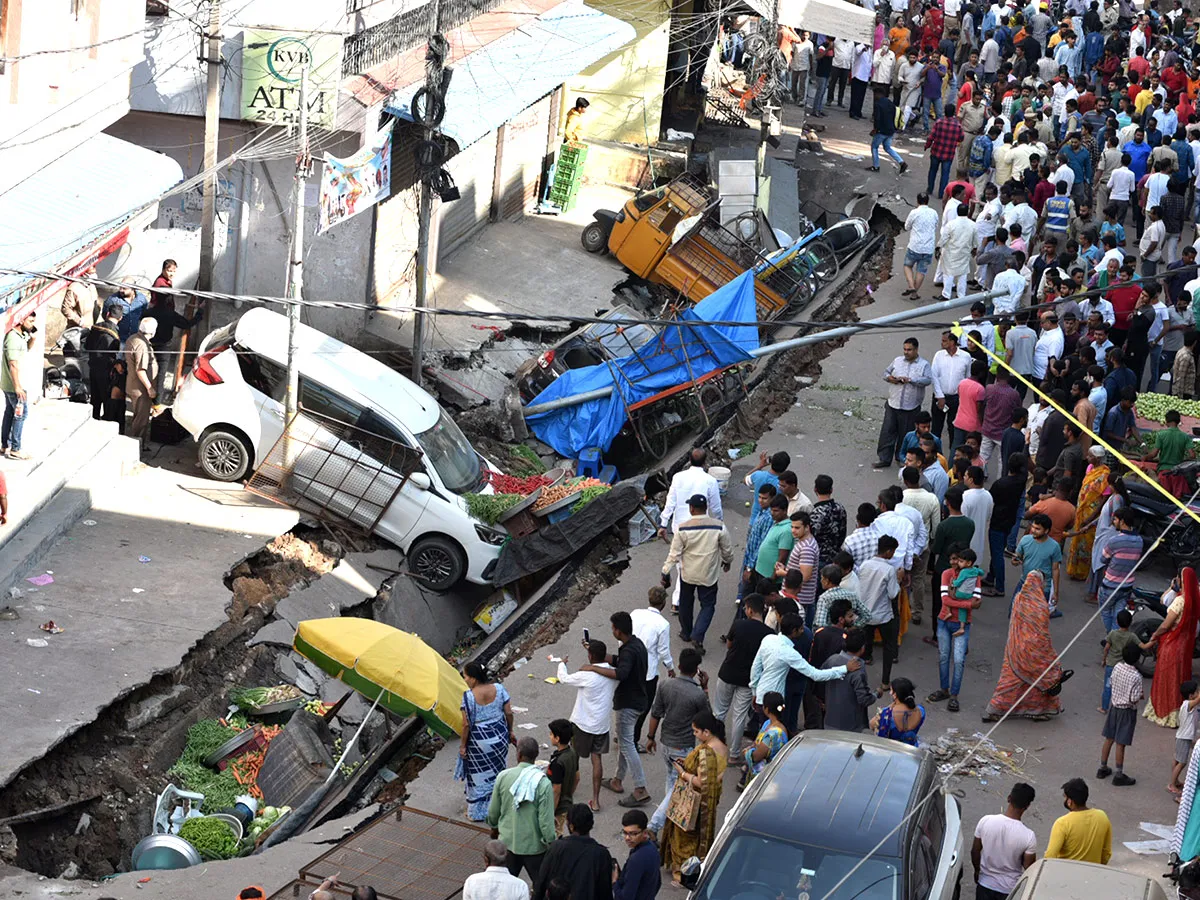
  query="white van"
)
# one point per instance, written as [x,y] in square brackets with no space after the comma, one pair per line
[232,403]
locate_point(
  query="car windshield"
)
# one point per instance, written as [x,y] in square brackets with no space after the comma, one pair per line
[457,463]
[751,867]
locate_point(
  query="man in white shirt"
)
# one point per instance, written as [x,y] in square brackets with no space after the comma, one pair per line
[1010,280]
[694,479]
[977,506]
[884,65]
[651,627]
[1121,185]
[921,224]
[1049,346]
[950,366]
[898,525]
[1151,244]
[1096,303]
[1004,847]
[1162,316]
[1021,214]
[592,713]
[495,882]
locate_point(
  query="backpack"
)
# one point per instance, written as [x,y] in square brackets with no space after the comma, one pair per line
[975,161]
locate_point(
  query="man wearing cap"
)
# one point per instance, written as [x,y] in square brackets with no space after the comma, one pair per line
[702,549]
[141,368]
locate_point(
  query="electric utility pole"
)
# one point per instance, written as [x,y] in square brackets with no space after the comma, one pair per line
[296,263]
[767,101]
[212,124]
[433,98]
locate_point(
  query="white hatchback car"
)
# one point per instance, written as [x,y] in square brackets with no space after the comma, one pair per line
[232,403]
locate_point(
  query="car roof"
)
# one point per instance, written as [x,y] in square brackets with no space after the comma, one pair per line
[356,375]
[1070,879]
[821,791]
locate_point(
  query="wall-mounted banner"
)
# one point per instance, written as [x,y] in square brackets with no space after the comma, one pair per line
[356,183]
[272,62]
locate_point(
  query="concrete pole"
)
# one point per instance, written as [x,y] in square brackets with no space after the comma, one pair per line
[212,124]
[296,264]
[807,340]
[433,89]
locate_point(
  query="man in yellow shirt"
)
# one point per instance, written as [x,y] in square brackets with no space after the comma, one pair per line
[1142,100]
[1084,834]
[573,130]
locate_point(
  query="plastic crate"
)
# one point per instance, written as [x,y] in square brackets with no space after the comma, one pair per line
[575,153]
[564,187]
[590,462]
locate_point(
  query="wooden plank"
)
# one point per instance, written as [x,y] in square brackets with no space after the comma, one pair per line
[47,812]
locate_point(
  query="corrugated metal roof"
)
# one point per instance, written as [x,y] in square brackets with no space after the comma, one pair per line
[493,84]
[75,200]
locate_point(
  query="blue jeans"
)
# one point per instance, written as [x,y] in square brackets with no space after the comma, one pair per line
[628,757]
[1111,603]
[996,541]
[819,100]
[884,141]
[10,432]
[669,755]
[1156,352]
[927,103]
[934,165]
[1106,694]
[708,605]
[946,643]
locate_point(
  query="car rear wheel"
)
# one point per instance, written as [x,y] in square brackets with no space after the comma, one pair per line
[593,238]
[437,561]
[224,455]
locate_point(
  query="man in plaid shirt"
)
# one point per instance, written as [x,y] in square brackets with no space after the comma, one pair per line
[831,591]
[1122,713]
[864,541]
[942,144]
[759,526]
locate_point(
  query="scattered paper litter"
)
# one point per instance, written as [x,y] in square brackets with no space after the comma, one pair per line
[37,642]
[847,413]
[527,726]
[89,522]
[33,691]
[138,590]
[520,709]
[42,580]
[554,659]
[551,680]
[143,559]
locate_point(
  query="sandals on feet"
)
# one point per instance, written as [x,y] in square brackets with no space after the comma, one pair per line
[938,696]
[952,706]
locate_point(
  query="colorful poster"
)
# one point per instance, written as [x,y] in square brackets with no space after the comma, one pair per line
[351,185]
[272,65]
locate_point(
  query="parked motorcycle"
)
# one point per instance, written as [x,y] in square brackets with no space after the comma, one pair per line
[1150,601]
[1156,513]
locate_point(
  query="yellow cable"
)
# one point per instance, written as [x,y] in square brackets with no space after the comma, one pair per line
[957,331]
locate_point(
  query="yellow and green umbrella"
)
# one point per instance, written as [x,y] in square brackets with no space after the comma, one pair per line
[374,658]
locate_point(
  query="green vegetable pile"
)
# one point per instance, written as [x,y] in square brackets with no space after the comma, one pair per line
[1155,406]
[488,508]
[588,494]
[526,462]
[257,698]
[212,838]
[220,789]
[266,817]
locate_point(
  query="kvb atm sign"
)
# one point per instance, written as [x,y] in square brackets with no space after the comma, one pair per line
[273,62]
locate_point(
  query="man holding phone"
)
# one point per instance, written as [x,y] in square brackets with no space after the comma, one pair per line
[17,343]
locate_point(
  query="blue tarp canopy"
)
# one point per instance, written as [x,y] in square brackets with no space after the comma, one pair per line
[676,356]
[495,83]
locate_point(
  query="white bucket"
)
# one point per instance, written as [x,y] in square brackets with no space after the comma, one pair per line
[721,473]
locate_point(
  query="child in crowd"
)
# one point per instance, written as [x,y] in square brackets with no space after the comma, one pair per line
[965,583]
[1185,735]
[1114,647]
[1039,487]
[1118,728]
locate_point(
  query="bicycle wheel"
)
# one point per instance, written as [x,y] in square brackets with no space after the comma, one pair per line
[822,260]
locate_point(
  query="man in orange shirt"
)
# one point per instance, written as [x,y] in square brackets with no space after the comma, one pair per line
[1058,507]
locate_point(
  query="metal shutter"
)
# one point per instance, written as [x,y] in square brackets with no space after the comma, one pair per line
[522,158]
[473,171]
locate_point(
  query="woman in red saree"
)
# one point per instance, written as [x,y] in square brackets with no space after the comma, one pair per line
[1029,659]
[1176,637]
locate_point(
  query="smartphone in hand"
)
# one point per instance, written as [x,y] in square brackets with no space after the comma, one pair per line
[587,638]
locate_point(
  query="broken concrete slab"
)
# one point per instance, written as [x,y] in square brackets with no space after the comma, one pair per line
[278,634]
[346,586]
[472,386]
[437,618]
[286,668]
[333,690]
[153,708]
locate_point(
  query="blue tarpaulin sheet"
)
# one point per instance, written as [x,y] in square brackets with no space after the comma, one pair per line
[674,357]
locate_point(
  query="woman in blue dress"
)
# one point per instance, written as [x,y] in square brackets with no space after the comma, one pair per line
[487,732]
[904,717]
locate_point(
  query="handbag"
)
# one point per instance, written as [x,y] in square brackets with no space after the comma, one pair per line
[684,806]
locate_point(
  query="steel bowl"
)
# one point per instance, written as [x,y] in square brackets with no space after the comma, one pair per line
[164,851]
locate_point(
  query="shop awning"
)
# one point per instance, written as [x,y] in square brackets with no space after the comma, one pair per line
[493,84]
[835,17]
[75,201]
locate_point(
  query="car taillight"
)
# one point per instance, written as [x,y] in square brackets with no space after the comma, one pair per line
[203,370]
[546,359]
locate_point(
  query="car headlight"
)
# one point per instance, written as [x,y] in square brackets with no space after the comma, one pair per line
[491,535]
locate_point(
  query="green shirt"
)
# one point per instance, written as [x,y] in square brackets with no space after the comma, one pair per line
[1172,445]
[16,344]
[1117,639]
[952,531]
[778,538]
[528,829]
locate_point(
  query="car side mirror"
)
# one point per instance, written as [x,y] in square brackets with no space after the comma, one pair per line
[420,480]
[690,872]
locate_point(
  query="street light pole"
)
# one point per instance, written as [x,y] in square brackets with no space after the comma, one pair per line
[212,124]
[296,263]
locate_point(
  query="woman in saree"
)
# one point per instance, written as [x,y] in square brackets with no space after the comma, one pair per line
[486,734]
[1029,659]
[1176,637]
[704,771]
[1083,537]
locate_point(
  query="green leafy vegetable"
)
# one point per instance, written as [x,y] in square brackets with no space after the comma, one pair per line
[488,508]
[212,838]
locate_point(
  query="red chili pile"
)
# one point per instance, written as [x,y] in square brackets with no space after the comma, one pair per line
[510,484]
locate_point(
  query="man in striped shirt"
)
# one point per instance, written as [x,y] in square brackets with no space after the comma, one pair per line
[1121,553]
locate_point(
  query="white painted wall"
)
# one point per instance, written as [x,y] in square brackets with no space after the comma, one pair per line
[51,103]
